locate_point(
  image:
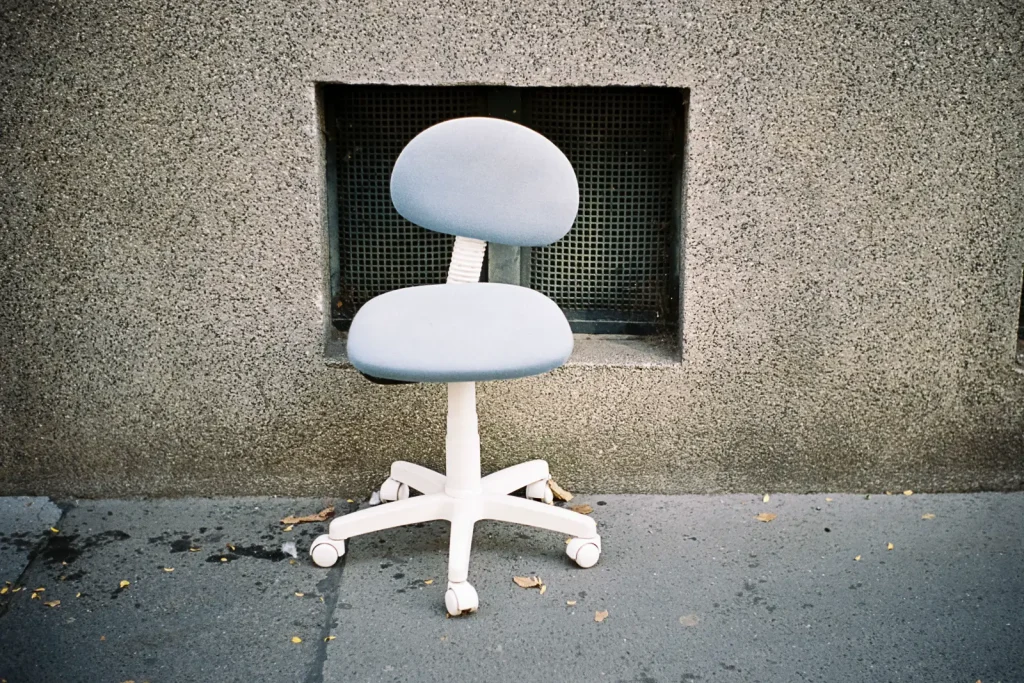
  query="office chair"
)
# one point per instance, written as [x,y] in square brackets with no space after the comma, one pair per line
[480,179]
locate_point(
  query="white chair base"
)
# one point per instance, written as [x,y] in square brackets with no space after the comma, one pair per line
[463,498]
[492,502]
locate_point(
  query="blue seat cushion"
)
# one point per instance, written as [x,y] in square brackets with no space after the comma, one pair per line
[459,333]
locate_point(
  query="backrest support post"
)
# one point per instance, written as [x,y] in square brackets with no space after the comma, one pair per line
[467,260]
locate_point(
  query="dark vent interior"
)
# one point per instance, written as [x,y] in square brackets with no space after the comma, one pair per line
[378,249]
[616,271]
[1020,325]
[615,268]
[1020,319]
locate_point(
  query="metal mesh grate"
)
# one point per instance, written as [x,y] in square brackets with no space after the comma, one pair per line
[614,271]
[616,265]
[378,249]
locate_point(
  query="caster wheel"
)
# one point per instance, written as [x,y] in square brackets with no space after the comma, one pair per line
[325,551]
[392,490]
[461,598]
[584,551]
[539,490]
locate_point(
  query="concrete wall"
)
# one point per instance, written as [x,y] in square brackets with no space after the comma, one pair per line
[853,250]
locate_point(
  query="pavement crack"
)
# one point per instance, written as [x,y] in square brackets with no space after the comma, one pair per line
[330,588]
[33,557]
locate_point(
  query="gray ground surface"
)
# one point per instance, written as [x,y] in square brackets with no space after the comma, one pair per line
[696,590]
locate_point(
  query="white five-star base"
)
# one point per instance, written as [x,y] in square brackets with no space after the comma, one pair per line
[463,498]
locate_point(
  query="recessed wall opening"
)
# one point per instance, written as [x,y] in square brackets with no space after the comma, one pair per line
[616,272]
[1020,325]
[1020,319]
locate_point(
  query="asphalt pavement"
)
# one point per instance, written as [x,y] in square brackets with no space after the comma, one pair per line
[696,588]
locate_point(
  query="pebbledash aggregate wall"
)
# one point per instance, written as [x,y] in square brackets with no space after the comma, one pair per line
[853,242]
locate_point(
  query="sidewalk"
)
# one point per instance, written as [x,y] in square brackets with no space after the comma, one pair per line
[695,587]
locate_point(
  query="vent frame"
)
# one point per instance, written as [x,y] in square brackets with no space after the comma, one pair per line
[618,270]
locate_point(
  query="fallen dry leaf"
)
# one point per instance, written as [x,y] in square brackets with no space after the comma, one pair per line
[78,595]
[582,509]
[102,638]
[543,588]
[527,581]
[55,530]
[689,620]
[321,516]
[52,603]
[766,517]
[828,500]
[124,584]
[600,616]
[349,501]
[889,547]
[194,549]
[231,547]
[570,602]
[40,589]
[428,582]
[888,493]
[296,639]
[300,595]
[3,591]
[928,515]
[766,498]
[560,493]
[288,528]
[34,596]
[329,638]
[16,589]
[168,569]
[857,559]
[908,492]
[223,559]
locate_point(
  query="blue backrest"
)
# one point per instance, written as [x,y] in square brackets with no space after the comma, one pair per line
[489,179]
